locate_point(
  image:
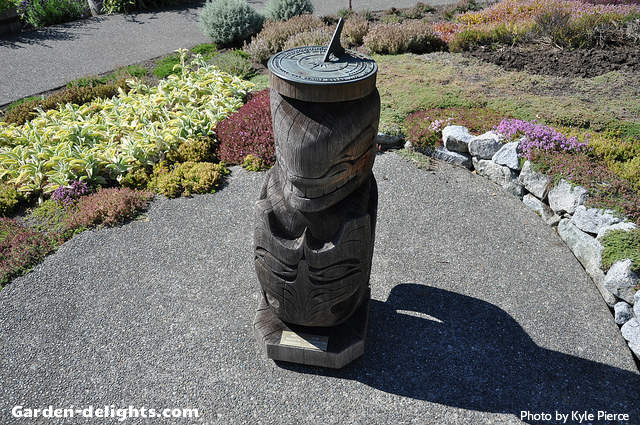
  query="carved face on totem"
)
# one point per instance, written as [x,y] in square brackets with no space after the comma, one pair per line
[325,150]
[305,279]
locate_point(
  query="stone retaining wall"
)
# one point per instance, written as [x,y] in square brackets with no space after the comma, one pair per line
[561,205]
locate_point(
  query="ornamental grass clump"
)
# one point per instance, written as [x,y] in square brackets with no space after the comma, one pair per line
[248,131]
[538,137]
[409,36]
[22,248]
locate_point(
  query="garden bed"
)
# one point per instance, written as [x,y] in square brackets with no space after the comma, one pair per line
[549,60]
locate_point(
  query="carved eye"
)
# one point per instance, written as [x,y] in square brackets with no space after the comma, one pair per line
[278,268]
[335,272]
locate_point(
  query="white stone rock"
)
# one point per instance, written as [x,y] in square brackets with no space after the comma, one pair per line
[388,141]
[535,182]
[456,138]
[565,198]
[626,226]
[592,220]
[499,174]
[631,331]
[621,280]
[486,145]
[456,158]
[636,304]
[408,145]
[541,209]
[588,251]
[623,312]
[508,156]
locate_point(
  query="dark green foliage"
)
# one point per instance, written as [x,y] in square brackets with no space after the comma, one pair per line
[167,66]
[10,198]
[19,102]
[207,50]
[234,63]
[187,178]
[135,71]
[41,13]
[281,10]
[500,34]
[137,179]
[52,217]
[619,245]
[77,95]
[126,6]
[229,22]
[22,248]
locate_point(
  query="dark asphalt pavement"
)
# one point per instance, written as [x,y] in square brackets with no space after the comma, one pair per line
[479,312]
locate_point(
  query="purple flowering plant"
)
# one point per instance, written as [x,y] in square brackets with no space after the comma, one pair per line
[538,137]
[68,195]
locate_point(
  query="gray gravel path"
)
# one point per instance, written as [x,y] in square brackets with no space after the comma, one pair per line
[479,311]
[38,61]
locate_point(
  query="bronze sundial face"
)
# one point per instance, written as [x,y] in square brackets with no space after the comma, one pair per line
[306,65]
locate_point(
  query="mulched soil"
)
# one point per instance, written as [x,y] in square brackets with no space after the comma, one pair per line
[562,62]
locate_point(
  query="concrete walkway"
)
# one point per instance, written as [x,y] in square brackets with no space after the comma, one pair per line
[479,312]
[46,59]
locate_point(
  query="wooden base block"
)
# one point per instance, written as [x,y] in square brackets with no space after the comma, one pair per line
[345,342]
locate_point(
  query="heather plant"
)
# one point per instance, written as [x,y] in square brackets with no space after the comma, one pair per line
[606,189]
[254,163]
[229,22]
[22,248]
[10,198]
[41,13]
[620,245]
[108,207]
[489,34]
[462,6]
[187,178]
[419,11]
[201,149]
[282,10]
[234,63]
[275,34]
[52,217]
[409,36]
[538,137]
[354,30]
[68,195]
[423,131]
[248,131]
[315,37]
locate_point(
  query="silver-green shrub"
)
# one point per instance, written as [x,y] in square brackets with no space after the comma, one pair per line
[229,21]
[281,10]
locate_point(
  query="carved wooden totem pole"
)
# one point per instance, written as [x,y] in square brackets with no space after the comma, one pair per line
[316,216]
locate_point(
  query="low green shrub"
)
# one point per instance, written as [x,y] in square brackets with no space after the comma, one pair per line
[419,11]
[77,95]
[282,10]
[137,179]
[167,66]
[131,71]
[234,63]
[194,150]
[52,217]
[187,178]
[207,50]
[229,22]
[619,245]
[462,6]
[10,198]
[410,36]
[254,163]
[22,248]
[41,13]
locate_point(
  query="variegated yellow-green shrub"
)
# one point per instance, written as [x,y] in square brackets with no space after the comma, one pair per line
[104,139]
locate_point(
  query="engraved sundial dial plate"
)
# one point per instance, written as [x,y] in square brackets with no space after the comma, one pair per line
[306,65]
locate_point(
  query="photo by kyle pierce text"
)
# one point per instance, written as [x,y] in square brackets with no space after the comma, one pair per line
[110,411]
[574,416]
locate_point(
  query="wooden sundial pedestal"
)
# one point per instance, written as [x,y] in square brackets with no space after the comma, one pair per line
[316,215]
